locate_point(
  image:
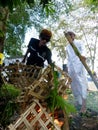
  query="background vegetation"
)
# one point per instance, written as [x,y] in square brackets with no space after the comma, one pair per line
[19,16]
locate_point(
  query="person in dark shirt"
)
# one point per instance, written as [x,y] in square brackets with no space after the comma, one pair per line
[38,50]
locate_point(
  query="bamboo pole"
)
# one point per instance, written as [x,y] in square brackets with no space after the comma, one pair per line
[84,63]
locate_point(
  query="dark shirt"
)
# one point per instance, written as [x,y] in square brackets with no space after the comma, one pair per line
[38,54]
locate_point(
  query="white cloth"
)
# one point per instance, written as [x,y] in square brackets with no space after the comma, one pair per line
[77,71]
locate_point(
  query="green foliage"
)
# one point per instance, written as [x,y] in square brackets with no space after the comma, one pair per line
[44,2]
[37,14]
[92,3]
[54,100]
[49,9]
[17,25]
[1,34]
[8,94]
[8,112]
[68,91]
[11,4]
[8,90]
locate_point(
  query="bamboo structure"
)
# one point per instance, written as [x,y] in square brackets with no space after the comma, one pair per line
[35,84]
[34,118]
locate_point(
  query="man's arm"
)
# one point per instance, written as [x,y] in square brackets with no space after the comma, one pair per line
[49,61]
[28,50]
[25,56]
[49,55]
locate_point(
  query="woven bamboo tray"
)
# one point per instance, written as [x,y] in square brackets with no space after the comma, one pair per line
[35,117]
[21,75]
[34,82]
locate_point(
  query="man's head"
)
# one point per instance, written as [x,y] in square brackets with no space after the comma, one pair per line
[72,34]
[45,35]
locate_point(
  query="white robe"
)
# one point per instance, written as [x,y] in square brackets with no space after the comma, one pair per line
[77,72]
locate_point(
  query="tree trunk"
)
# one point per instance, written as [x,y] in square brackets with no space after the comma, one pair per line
[4,13]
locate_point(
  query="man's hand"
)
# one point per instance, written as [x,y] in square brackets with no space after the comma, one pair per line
[83,58]
[23,61]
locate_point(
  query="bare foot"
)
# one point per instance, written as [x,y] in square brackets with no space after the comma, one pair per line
[83,109]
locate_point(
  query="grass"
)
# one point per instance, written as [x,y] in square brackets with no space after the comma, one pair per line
[92,100]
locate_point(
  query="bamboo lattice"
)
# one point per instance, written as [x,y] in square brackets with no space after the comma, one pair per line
[34,118]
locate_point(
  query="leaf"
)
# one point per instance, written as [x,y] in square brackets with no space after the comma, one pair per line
[9,90]
[54,100]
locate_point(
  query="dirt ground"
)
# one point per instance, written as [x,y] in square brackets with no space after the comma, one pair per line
[88,121]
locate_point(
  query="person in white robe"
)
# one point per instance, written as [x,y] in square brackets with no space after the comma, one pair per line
[76,71]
